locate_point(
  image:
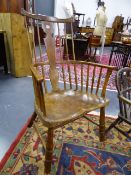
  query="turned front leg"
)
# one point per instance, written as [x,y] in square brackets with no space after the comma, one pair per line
[49,151]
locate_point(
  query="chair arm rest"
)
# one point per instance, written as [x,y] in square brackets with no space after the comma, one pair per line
[38,77]
[121,97]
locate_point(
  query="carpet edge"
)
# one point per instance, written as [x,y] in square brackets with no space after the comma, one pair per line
[14,143]
[21,133]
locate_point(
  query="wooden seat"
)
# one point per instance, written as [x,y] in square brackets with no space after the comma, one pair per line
[66,105]
[123,83]
[77,87]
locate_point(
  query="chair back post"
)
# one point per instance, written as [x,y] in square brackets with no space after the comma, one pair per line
[38,90]
[109,72]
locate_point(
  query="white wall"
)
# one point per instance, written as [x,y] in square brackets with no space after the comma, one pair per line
[113,8]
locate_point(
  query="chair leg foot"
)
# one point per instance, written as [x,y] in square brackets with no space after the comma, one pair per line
[112,125]
[49,151]
[102,125]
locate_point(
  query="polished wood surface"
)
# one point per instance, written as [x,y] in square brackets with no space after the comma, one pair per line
[3,6]
[18,53]
[59,105]
[14,6]
[109,33]
[118,27]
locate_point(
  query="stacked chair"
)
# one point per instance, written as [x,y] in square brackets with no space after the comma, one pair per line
[123,83]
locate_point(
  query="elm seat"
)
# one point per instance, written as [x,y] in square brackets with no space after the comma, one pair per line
[83,90]
[66,105]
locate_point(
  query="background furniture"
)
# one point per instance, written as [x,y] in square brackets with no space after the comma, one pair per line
[94,43]
[14,6]
[42,34]
[127,25]
[109,33]
[17,43]
[86,30]
[77,21]
[3,51]
[118,28]
[80,47]
[85,47]
[120,54]
[61,105]
[76,24]
[17,40]
[124,95]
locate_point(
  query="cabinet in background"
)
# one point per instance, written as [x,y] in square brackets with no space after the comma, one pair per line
[14,6]
[109,33]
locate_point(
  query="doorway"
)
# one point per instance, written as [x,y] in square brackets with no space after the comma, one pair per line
[44,7]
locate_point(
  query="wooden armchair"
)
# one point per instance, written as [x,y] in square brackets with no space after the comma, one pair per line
[123,83]
[83,89]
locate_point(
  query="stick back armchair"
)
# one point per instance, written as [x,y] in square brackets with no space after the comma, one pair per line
[123,83]
[84,84]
